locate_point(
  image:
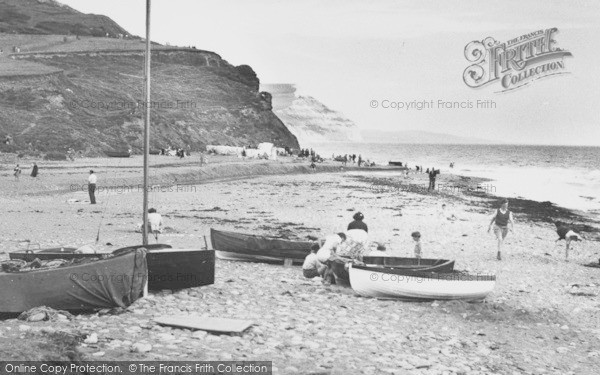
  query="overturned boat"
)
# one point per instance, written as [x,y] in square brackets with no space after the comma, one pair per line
[380,282]
[254,248]
[84,285]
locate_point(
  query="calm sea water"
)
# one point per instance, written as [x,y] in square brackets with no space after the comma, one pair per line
[566,175]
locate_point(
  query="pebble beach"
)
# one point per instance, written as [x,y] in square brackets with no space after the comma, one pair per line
[542,318]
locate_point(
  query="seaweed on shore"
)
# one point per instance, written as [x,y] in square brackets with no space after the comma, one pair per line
[539,212]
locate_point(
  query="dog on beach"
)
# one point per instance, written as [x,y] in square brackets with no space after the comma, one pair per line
[566,232]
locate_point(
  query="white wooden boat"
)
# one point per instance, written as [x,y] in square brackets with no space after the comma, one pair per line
[378,282]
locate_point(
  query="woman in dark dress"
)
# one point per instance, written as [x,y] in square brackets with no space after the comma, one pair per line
[34,170]
[358,222]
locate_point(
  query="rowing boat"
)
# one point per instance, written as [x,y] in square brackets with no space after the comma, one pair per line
[118,154]
[116,281]
[379,282]
[415,264]
[168,268]
[254,248]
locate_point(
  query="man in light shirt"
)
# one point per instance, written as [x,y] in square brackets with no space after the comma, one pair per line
[154,222]
[312,267]
[92,187]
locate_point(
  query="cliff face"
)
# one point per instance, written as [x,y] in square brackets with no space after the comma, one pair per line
[308,119]
[93,101]
[51,17]
[85,92]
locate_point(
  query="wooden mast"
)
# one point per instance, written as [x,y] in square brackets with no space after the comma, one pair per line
[146,125]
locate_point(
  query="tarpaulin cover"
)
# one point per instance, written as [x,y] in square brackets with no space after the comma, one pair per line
[113,282]
[259,245]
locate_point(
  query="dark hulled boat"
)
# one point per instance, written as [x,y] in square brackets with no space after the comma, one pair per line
[168,268]
[254,248]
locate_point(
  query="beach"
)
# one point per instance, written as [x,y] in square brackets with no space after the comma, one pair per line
[542,318]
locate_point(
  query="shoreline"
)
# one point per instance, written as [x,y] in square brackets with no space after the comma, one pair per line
[174,172]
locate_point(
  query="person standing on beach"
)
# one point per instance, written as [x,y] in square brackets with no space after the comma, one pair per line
[92,187]
[500,220]
[17,171]
[34,170]
[432,174]
[416,236]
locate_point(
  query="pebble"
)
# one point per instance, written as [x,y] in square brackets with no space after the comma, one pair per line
[24,328]
[91,338]
[37,317]
[199,334]
[140,347]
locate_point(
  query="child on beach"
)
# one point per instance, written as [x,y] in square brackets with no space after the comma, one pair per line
[312,267]
[416,236]
[17,171]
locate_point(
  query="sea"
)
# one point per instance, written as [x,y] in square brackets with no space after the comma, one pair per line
[568,176]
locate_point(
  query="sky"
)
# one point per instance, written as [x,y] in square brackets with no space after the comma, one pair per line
[359,56]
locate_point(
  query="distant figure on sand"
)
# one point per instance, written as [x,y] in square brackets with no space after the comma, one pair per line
[416,236]
[358,222]
[432,174]
[502,217]
[565,232]
[154,223]
[312,267]
[34,170]
[17,172]
[92,187]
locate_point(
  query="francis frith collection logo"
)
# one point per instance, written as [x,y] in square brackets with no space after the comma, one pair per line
[514,63]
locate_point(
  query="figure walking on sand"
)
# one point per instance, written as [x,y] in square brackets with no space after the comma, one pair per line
[502,217]
[92,187]
[17,172]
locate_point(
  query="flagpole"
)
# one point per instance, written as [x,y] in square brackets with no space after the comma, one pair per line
[146,125]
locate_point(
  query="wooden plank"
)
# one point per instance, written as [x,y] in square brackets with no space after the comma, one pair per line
[205,323]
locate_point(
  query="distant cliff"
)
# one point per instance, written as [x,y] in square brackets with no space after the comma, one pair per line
[308,119]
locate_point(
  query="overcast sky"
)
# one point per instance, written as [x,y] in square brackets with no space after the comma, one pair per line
[347,53]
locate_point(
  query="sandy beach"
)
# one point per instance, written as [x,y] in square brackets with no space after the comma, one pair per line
[542,318]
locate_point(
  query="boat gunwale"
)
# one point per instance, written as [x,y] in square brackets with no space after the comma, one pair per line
[439,276]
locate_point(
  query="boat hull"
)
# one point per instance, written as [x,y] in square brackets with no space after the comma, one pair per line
[414,264]
[180,268]
[117,154]
[419,286]
[252,248]
[113,282]
[168,268]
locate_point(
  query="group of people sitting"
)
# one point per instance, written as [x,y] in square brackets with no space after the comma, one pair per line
[330,260]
